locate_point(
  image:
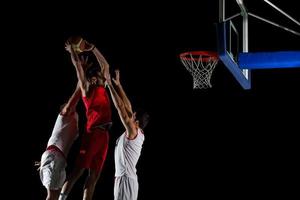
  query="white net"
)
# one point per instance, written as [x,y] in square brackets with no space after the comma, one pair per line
[201,66]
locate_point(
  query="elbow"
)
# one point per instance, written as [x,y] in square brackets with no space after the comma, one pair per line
[81,84]
[104,64]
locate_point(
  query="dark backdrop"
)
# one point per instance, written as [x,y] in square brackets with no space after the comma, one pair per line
[216,143]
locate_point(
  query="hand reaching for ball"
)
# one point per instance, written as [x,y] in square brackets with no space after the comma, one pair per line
[88,46]
[78,44]
[68,46]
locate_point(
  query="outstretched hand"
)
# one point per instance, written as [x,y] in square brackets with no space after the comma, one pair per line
[117,79]
[88,46]
[68,46]
[65,110]
[107,78]
[37,164]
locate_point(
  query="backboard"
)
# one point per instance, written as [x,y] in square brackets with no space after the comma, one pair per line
[233,39]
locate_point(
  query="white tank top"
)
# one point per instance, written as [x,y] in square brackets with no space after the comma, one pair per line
[64,133]
[127,153]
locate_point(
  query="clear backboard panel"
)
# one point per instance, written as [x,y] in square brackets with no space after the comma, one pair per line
[233,38]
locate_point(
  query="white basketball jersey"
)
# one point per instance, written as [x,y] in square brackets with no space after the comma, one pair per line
[64,133]
[127,153]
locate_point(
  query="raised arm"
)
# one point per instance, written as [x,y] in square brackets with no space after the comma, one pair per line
[72,102]
[121,91]
[102,61]
[123,113]
[79,68]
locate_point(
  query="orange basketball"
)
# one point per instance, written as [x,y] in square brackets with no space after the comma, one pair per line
[77,43]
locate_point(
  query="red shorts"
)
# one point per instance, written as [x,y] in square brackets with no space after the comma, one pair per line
[93,150]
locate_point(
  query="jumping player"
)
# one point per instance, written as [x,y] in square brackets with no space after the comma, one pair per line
[95,140]
[53,161]
[129,144]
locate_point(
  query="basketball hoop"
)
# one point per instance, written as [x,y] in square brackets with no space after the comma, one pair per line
[201,65]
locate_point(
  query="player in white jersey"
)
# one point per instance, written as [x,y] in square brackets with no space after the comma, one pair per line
[53,161]
[129,144]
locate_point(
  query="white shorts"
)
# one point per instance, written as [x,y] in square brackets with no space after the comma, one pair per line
[126,188]
[52,171]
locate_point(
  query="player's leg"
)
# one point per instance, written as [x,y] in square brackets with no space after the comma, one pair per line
[118,192]
[90,183]
[52,173]
[52,194]
[134,188]
[68,185]
[83,161]
[125,188]
[100,147]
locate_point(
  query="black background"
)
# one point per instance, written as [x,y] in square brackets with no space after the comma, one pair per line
[215,143]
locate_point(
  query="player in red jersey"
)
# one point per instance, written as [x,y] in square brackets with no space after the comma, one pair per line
[95,141]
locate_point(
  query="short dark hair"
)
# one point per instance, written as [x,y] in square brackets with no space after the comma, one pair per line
[143,117]
[92,71]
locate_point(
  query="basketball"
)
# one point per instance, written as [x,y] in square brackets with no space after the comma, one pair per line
[77,43]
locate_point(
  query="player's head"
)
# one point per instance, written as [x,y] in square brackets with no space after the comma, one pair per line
[95,76]
[141,118]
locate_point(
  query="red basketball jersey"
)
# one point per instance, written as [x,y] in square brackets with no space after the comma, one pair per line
[98,110]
